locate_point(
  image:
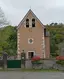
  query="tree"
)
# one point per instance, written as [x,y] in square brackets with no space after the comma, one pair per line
[3,20]
[8,40]
[12,41]
[56,37]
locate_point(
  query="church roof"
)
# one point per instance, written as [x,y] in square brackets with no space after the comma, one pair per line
[30,11]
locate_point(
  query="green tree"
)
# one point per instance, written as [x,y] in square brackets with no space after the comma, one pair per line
[8,39]
[3,20]
[12,42]
[56,37]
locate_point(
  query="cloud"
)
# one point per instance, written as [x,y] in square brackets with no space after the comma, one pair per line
[46,10]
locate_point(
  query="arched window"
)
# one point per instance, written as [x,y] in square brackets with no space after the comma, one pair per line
[33,22]
[27,22]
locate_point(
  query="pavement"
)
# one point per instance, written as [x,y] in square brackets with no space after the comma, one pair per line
[30,75]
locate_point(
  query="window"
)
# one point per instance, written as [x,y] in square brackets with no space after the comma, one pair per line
[45,32]
[27,22]
[33,22]
[30,41]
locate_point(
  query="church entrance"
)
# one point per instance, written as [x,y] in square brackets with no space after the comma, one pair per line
[30,54]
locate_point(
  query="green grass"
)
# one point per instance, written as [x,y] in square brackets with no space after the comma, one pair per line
[40,70]
[31,70]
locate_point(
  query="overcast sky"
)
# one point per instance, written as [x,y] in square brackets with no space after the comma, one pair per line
[46,10]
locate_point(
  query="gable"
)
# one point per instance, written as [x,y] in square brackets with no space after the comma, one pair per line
[29,15]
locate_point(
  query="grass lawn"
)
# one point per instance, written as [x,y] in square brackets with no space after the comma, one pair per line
[30,70]
[40,70]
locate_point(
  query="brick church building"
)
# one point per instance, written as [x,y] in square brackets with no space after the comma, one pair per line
[32,37]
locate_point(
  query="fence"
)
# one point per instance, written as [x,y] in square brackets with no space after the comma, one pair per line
[13,63]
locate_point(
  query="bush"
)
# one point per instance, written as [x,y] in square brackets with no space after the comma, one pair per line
[36,60]
[61,62]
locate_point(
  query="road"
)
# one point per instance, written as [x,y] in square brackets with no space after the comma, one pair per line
[31,75]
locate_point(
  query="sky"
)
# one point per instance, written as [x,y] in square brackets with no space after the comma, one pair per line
[47,11]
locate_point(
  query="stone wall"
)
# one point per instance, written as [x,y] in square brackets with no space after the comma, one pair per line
[46,64]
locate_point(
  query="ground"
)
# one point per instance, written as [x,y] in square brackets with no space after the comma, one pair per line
[30,75]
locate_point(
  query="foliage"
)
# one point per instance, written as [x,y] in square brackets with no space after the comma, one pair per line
[12,42]
[56,37]
[8,40]
[3,20]
[36,60]
[61,62]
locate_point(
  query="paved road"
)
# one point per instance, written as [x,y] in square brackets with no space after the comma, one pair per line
[31,75]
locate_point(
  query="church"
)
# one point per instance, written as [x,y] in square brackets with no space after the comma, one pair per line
[32,37]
